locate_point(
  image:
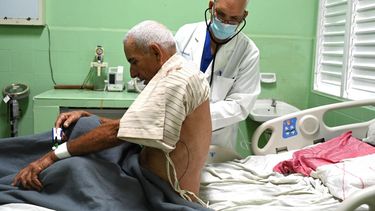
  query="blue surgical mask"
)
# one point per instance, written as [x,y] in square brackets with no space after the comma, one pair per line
[222,31]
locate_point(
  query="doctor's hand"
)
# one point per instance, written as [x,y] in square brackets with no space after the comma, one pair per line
[28,177]
[67,118]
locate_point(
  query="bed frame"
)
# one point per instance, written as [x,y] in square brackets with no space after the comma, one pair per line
[366,196]
[306,127]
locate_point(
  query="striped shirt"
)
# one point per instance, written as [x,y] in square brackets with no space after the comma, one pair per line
[156,116]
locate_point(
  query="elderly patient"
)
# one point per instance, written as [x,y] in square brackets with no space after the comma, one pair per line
[170,119]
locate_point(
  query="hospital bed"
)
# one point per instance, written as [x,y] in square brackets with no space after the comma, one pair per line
[252,184]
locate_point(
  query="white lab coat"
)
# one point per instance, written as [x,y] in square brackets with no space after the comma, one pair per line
[236,80]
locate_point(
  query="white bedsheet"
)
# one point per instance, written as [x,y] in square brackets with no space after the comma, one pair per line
[250,184]
[22,207]
[348,177]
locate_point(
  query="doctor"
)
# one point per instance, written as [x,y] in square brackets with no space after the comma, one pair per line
[230,61]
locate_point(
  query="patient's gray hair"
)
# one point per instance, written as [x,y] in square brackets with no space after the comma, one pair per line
[148,32]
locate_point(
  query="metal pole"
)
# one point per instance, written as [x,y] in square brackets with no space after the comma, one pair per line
[14,113]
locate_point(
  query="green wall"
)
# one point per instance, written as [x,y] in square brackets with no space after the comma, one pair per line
[285,34]
[284,31]
[341,116]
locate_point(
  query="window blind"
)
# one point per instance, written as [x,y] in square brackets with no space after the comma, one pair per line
[345,51]
[361,66]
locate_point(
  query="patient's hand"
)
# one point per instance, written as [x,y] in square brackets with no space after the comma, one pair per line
[28,177]
[67,118]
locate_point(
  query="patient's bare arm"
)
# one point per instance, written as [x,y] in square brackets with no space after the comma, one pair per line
[102,137]
[67,118]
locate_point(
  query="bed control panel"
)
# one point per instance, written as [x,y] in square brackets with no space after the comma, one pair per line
[289,128]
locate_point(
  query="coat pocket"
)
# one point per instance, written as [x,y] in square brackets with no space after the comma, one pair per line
[220,87]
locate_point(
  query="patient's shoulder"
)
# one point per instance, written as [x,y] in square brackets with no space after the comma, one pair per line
[189,83]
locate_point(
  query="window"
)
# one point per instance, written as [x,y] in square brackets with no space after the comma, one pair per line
[345,52]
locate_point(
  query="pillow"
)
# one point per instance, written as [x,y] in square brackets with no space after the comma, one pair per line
[370,134]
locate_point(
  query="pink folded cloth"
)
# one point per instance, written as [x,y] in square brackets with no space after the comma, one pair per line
[333,151]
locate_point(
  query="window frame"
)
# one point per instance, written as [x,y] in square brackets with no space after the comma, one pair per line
[338,69]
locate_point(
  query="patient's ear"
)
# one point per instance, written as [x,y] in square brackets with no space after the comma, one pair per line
[157,52]
[210,4]
[246,13]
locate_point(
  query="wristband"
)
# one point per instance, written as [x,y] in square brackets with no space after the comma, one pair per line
[62,151]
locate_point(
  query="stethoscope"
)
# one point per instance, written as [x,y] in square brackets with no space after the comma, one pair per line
[218,43]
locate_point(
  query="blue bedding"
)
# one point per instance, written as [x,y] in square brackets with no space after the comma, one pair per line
[109,180]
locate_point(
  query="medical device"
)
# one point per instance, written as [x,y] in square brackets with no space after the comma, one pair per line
[12,94]
[115,79]
[56,137]
[99,60]
[100,66]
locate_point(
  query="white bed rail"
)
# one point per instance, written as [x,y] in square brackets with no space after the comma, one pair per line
[363,197]
[303,128]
